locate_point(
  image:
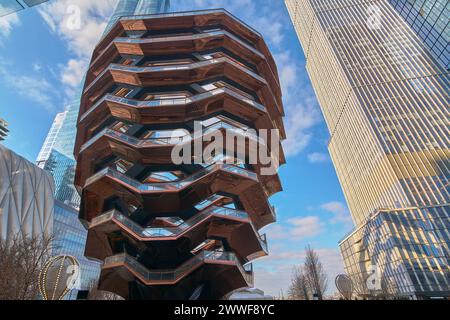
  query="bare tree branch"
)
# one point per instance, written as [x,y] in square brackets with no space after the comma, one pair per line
[299,288]
[315,273]
[21,259]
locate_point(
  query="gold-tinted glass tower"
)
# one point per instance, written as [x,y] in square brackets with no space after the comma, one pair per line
[386,104]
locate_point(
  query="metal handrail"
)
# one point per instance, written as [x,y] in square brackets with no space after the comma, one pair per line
[245,132]
[165,102]
[183,227]
[204,34]
[174,185]
[194,65]
[175,274]
[189,13]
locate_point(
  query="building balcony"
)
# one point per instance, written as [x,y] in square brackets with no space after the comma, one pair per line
[179,75]
[180,228]
[120,269]
[197,228]
[188,20]
[179,44]
[180,110]
[159,150]
[176,195]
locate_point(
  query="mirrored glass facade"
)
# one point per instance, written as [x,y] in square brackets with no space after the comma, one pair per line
[70,238]
[385,100]
[62,169]
[65,139]
[410,246]
[11,6]
[50,140]
[430,19]
[56,155]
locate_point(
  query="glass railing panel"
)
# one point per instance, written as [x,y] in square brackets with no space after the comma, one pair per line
[248,267]
[240,171]
[169,231]
[120,258]
[97,176]
[165,102]
[202,35]
[273,211]
[189,13]
[203,204]
[195,65]
[91,141]
[168,186]
[229,212]
[247,271]
[174,220]
[263,241]
[102,218]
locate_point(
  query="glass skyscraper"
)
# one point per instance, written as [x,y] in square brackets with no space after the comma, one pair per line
[56,155]
[50,140]
[385,100]
[62,169]
[12,6]
[430,19]
[65,140]
[70,238]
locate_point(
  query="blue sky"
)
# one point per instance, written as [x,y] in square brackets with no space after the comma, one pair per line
[42,60]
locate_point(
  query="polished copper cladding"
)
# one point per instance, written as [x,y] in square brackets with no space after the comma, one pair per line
[167,231]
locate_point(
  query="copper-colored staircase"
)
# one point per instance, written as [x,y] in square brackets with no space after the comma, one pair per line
[166,230]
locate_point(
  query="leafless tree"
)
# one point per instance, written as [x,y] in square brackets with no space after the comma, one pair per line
[96,294]
[21,259]
[309,279]
[299,288]
[315,273]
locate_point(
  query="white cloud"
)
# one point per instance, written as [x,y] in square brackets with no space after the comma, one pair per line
[305,227]
[37,67]
[270,29]
[261,17]
[273,281]
[299,121]
[317,157]
[288,70]
[302,112]
[37,89]
[81,37]
[72,72]
[296,228]
[339,210]
[7,23]
[80,23]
